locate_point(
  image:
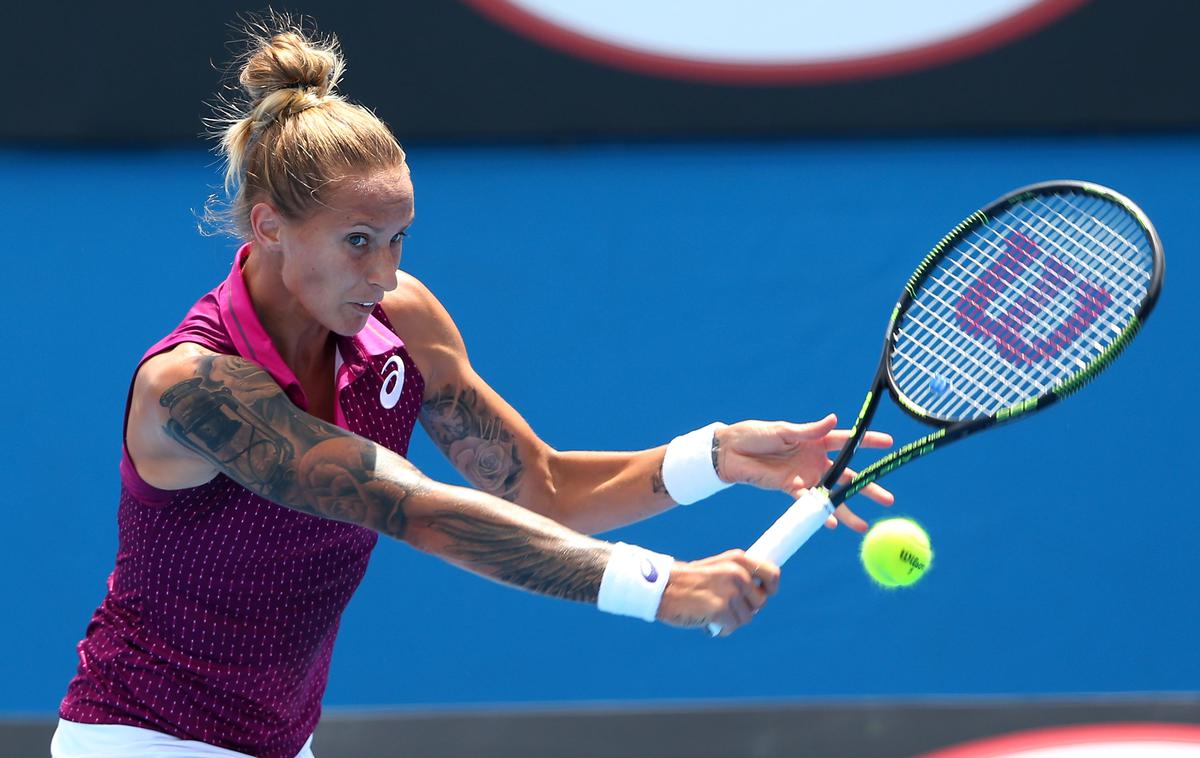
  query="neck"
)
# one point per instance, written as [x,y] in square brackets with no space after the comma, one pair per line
[301,341]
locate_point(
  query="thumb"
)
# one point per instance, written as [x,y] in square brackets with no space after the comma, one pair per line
[814,430]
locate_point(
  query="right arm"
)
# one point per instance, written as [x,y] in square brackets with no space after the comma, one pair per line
[196,413]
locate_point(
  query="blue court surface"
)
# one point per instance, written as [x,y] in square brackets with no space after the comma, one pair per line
[618,295]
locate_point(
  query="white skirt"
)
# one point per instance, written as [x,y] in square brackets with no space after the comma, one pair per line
[75,740]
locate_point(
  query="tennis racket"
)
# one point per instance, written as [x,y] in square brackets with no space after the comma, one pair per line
[1017,307]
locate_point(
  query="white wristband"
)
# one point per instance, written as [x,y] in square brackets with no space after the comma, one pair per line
[687,467]
[634,581]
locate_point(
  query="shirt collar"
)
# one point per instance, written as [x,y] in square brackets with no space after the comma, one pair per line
[253,342]
[247,332]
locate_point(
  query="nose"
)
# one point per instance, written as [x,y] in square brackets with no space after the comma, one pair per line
[382,273]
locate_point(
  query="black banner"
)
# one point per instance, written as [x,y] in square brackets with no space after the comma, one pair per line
[445,70]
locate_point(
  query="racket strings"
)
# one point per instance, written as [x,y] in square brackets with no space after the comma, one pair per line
[1022,303]
[1063,306]
[1091,272]
[991,286]
[933,360]
[1113,212]
[992,291]
[1040,376]
[1092,301]
[1125,296]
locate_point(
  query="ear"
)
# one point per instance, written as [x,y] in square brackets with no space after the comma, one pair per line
[267,226]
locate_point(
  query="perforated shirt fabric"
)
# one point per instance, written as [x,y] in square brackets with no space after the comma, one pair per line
[221,613]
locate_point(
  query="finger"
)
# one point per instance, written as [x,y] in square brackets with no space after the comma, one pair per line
[741,610]
[757,573]
[873,491]
[728,622]
[755,597]
[765,577]
[850,519]
[876,439]
[814,430]
[879,494]
[755,594]
[726,619]
[831,522]
[837,439]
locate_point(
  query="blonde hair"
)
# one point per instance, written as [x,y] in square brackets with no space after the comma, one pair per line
[290,135]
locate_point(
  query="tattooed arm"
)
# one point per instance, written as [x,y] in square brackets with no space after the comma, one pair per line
[196,414]
[496,450]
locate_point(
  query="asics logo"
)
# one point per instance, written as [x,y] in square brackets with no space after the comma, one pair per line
[393,383]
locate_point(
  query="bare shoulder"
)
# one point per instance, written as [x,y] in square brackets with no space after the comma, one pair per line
[169,365]
[428,331]
[159,459]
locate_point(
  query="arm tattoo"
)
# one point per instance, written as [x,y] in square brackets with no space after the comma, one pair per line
[475,440]
[532,559]
[657,485]
[716,455]
[234,416]
[229,435]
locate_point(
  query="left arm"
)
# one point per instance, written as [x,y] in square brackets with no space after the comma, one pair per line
[499,453]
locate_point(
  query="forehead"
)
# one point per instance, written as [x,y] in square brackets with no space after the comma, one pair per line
[381,196]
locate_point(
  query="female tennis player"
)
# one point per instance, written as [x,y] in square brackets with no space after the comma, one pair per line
[264,452]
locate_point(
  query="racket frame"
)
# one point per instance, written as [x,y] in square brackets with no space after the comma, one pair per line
[809,511]
[950,430]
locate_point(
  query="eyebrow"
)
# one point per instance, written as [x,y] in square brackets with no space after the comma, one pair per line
[377,230]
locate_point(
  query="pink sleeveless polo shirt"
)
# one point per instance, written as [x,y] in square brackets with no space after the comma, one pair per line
[222,610]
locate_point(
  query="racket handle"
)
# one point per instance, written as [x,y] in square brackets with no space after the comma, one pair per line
[790,531]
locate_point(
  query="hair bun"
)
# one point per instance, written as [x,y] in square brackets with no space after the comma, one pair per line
[291,137]
[290,60]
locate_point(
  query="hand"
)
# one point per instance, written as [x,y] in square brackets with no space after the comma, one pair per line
[727,589]
[792,457]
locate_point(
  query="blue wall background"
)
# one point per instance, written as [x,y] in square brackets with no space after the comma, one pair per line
[618,295]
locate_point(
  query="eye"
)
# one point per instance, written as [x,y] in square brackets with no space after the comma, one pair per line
[400,236]
[357,240]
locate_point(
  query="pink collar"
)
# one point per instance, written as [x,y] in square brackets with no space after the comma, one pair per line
[253,342]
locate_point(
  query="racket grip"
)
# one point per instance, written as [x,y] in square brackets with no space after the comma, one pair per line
[790,531]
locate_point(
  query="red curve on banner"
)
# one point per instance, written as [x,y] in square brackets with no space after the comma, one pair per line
[1071,736]
[560,38]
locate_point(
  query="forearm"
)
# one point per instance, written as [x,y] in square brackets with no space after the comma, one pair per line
[499,454]
[352,479]
[233,415]
[597,491]
[503,541]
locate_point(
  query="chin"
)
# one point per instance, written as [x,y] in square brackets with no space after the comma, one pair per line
[346,327]
[351,329]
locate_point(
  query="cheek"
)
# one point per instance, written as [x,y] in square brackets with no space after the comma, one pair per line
[313,276]
[310,277]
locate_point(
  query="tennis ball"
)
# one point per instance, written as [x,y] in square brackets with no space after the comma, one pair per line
[896,552]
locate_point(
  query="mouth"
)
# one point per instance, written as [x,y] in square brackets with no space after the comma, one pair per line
[365,306]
